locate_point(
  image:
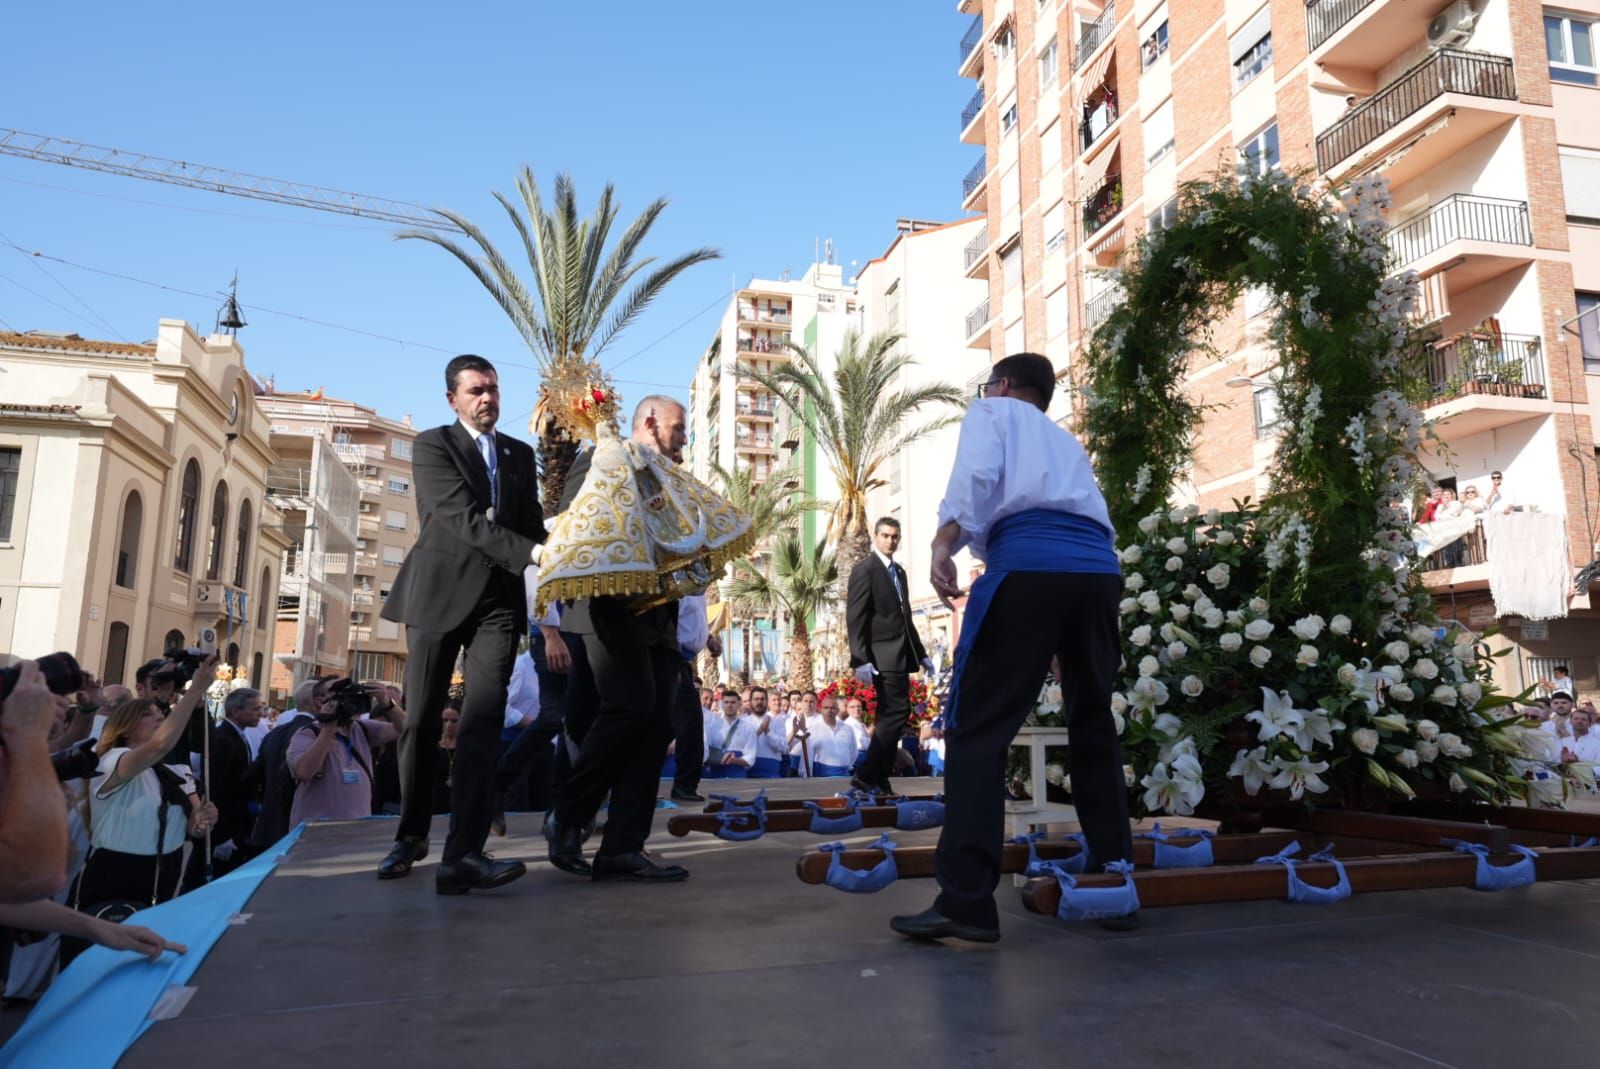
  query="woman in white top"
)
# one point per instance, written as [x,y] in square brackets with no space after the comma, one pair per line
[136,827]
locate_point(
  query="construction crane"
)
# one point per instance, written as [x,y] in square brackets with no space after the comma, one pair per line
[216,179]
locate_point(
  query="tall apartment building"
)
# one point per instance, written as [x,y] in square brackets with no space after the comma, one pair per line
[133,504]
[1480,114]
[375,452]
[919,288]
[736,423]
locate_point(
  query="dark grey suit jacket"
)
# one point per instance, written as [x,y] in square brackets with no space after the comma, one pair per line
[878,621]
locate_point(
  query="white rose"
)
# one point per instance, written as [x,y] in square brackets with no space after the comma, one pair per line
[1471,694]
[1212,618]
[1174,564]
[1465,653]
[1260,656]
[1339,625]
[1176,651]
[1177,546]
[1140,636]
[1132,555]
[1218,575]
[1201,602]
[1235,618]
[1148,665]
[1365,740]
[1307,657]
[1179,514]
[1450,745]
[1443,694]
[1168,634]
[1225,538]
[1401,693]
[1258,605]
[1128,607]
[1348,675]
[1308,628]
[1119,703]
[1150,523]
[1134,582]
[1193,592]
[1191,686]
[1231,641]
[1397,651]
[1420,634]
[1150,602]
[1427,729]
[1428,751]
[1213,516]
[1457,783]
[1406,759]
[1425,668]
[1180,612]
[1256,630]
[1393,673]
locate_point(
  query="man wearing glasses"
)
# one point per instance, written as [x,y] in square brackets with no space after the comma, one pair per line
[1498,500]
[1023,496]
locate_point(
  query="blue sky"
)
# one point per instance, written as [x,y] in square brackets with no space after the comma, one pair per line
[767,125]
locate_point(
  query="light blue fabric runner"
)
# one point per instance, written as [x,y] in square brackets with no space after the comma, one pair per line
[101,1004]
[1038,540]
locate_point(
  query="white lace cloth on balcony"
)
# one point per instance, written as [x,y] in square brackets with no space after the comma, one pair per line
[1432,537]
[1529,574]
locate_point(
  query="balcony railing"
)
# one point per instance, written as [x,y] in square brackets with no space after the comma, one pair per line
[1478,363]
[1471,548]
[977,318]
[1324,17]
[1449,70]
[1097,123]
[974,106]
[1095,33]
[1461,217]
[1103,204]
[970,39]
[974,177]
[1099,308]
[978,246]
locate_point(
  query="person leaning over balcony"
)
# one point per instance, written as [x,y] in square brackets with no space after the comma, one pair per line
[1472,501]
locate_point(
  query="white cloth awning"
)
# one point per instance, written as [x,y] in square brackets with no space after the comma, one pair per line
[1529,573]
[1095,171]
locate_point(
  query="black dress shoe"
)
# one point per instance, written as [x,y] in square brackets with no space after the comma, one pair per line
[639,867]
[1129,923]
[931,924]
[566,847]
[687,796]
[475,872]
[404,854]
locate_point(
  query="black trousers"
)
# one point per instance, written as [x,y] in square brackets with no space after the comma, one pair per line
[579,709]
[1034,616]
[689,732]
[489,638]
[894,709]
[623,749]
[530,754]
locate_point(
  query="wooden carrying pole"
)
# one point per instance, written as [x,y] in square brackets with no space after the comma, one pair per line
[882,816]
[840,804]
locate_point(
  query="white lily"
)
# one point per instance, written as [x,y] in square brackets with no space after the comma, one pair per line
[1253,767]
[1299,776]
[1169,794]
[1277,716]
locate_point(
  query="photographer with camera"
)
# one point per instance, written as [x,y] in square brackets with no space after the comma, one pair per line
[33,819]
[332,762]
[139,811]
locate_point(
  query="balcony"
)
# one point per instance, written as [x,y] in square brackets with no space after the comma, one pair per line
[977,319]
[976,254]
[1406,107]
[1100,119]
[1324,18]
[1482,380]
[763,316]
[969,133]
[755,412]
[1364,34]
[1098,309]
[1468,231]
[1103,205]
[970,42]
[350,452]
[1095,34]
[974,180]
[1470,550]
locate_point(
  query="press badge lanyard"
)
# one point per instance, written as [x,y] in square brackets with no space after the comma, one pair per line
[348,774]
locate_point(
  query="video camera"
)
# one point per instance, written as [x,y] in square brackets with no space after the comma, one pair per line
[61,674]
[180,663]
[352,701]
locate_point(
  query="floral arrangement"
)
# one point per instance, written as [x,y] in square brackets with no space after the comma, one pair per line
[924,702]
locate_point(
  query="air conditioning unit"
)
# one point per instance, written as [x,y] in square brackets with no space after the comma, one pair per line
[1453,26]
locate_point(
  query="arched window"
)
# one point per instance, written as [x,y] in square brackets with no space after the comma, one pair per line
[188,508]
[116,652]
[232,659]
[128,543]
[218,531]
[241,559]
[173,641]
[261,599]
[255,671]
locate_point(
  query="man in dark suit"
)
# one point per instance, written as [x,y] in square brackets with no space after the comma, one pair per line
[461,589]
[235,778]
[884,649]
[635,664]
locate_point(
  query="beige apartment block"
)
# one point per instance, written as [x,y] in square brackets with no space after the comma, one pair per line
[133,507]
[1483,114]
[375,452]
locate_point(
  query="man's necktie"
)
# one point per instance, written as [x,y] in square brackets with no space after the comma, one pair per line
[486,447]
[894,577]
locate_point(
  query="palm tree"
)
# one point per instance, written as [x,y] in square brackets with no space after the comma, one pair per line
[582,296]
[774,504]
[859,421]
[801,583]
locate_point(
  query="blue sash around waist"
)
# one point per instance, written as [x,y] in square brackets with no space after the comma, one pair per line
[1038,540]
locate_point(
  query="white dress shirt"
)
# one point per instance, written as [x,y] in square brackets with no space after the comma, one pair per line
[863,736]
[692,630]
[1010,458]
[774,742]
[253,736]
[522,695]
[1587,747]
[742,737]
[834,745]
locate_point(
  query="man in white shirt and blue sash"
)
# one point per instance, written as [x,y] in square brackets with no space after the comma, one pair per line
[1022,495]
